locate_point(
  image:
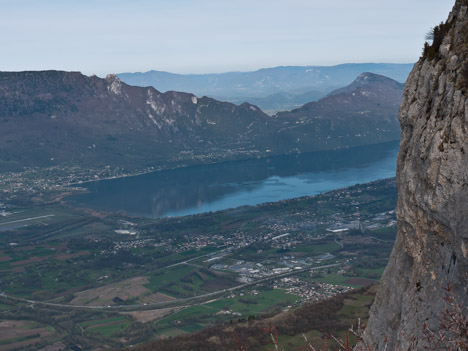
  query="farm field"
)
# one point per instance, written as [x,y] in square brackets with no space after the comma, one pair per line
[107,327]
[187,280]
[195,317]
[18,334]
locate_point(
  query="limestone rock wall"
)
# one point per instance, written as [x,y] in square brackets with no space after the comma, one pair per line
[431,250]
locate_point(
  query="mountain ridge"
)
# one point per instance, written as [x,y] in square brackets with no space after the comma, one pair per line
[259,86]
[53,109]
[364,79]
[51,118]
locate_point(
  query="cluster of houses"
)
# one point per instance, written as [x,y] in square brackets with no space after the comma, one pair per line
[309,290]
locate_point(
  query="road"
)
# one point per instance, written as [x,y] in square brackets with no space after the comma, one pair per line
[178,302]
[338,243]
[381,240]
[192,259]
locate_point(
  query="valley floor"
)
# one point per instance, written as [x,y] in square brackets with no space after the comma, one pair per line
[81,279]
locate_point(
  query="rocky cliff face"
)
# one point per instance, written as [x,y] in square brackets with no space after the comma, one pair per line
[431,250]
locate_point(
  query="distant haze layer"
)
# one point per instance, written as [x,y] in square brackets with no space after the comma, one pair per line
[266,80]
[272,89]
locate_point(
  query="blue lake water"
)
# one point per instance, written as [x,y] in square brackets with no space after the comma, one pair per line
[205,188]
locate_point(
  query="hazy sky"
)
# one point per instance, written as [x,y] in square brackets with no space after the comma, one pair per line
[201,36]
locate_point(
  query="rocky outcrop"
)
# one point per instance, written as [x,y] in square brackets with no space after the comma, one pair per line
[431,249]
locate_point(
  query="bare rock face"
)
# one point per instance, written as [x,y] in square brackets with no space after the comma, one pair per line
[431,250]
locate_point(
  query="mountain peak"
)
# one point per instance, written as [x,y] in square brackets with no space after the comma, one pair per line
[112,77]
[368,77]
[115,85]
[369,82]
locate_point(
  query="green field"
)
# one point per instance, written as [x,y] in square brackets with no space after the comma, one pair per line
[187,280]
[318,249]
[247,305]
[265,301]
[106,326]
[171,332]
[39,251]
[5,307]
[110,330]
[192,328]
[171,278]
[193,311]
[377,271]
[102,321]
[17,339]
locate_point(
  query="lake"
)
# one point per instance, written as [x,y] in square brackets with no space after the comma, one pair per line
[205,188]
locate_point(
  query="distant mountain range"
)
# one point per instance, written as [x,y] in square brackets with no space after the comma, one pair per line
[272,89]
[65,118]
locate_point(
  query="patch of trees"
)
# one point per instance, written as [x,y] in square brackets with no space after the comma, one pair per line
[120,258]
[249,300]
[436,35]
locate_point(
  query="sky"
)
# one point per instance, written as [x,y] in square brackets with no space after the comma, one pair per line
[208,36]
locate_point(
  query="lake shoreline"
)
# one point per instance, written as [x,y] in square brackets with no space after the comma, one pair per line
[208,188]
[182,166]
